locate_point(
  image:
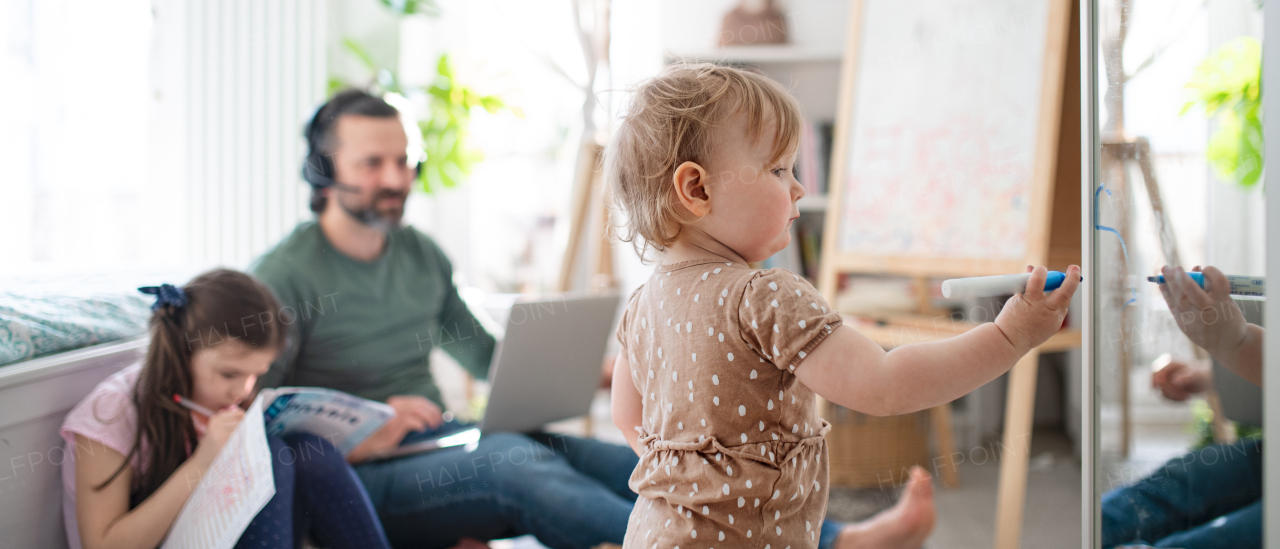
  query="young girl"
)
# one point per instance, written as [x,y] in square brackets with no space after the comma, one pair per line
[720,362]
[136,455]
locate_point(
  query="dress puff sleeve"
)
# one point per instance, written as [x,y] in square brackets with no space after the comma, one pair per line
[784,318]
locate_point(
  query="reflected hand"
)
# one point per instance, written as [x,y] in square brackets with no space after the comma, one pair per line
[1209,318]
[1177,381]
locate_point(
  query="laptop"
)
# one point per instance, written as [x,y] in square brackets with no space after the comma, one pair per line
[546,368]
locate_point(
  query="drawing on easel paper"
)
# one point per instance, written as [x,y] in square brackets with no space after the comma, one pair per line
[940,154]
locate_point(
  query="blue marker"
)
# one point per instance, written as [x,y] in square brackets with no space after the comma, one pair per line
[991,286]
[1253,286]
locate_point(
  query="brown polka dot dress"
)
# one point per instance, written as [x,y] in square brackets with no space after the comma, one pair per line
[734,454]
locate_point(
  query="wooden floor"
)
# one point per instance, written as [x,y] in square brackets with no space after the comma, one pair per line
[966,515]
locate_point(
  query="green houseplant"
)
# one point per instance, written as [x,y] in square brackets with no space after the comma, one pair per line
[1228,84]
[450,102]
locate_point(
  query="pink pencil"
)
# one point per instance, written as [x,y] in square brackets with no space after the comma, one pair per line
[188,404]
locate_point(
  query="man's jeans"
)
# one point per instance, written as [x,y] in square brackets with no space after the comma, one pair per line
[568,492]
[1208,498]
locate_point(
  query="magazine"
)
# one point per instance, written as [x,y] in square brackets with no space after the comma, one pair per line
[342,419]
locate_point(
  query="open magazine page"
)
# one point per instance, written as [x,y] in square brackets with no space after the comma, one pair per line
[235,488]
[342,419]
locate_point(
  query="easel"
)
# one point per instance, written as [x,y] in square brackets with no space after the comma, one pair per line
[1138,151]
[588,197]
[1053,239]
[587,204]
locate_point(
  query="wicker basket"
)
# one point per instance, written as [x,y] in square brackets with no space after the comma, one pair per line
[874,452]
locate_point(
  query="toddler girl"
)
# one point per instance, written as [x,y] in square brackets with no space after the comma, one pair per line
[714,386]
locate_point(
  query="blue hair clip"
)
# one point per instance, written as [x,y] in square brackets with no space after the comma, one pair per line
[166,294]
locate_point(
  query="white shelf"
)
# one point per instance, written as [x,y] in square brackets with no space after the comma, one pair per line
[813,203]
[756,55]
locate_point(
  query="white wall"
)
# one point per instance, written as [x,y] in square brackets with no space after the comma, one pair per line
[694,27]
[367,23]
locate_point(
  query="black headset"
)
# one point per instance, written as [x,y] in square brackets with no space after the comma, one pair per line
[317,168]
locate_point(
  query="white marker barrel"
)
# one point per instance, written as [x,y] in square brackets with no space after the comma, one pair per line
[991,286]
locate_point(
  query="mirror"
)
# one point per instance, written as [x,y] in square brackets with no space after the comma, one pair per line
[1176,163]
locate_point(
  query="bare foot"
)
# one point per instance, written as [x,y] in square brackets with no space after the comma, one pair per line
[904,526]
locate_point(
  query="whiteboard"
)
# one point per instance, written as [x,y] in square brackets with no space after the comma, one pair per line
[940,153]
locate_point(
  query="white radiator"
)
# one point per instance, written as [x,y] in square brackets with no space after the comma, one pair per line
[235,82]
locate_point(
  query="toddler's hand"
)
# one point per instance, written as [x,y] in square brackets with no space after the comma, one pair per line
[1030,318]
[1209,318]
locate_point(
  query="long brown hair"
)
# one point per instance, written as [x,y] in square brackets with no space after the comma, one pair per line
[221,305]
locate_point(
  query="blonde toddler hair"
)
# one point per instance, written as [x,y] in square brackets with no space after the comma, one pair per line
[669,122]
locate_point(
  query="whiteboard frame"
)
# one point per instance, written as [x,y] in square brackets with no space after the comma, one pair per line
[1271,312]
[1090,152]
[836,262]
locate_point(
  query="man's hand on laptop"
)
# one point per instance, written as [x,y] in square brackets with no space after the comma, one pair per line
[413,413]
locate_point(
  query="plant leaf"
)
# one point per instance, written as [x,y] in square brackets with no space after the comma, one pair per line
[361,54]
[1228,84]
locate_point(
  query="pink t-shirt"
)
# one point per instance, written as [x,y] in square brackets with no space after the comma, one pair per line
[108,417]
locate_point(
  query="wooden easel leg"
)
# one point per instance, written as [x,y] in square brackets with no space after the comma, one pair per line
[580,212]
[1126,400]
[1222,431]
[940,417]
[1012,492]
[602,274]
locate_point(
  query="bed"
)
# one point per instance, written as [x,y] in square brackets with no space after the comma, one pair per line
[60,335]
[42,315]
[34,397]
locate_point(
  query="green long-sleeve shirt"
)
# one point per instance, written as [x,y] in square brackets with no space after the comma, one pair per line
[367,328]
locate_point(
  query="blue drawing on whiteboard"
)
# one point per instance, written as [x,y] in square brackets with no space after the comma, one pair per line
[1123,248]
